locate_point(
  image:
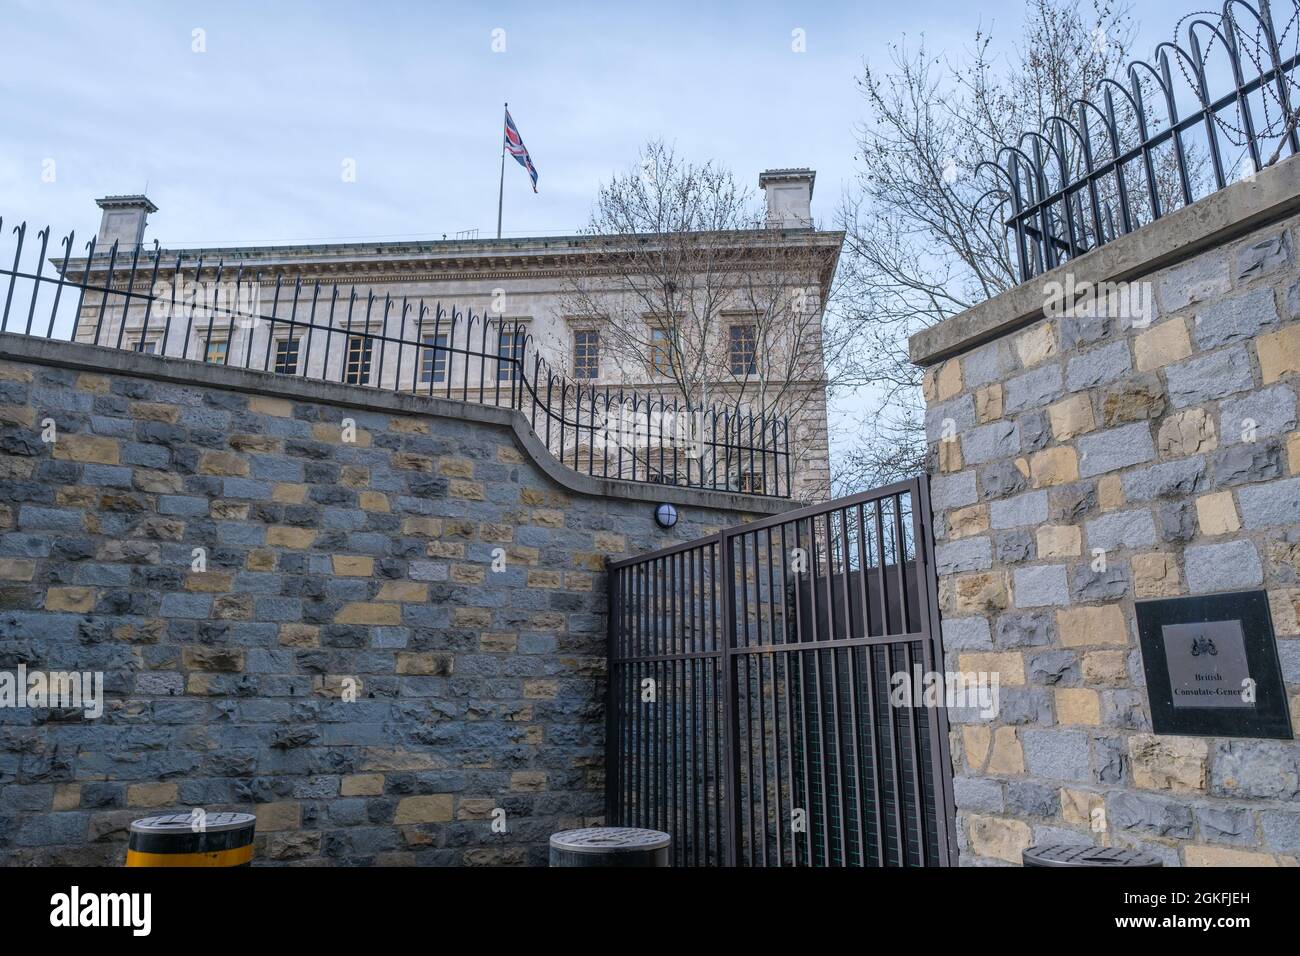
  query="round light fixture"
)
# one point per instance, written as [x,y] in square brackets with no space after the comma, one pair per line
[666,515]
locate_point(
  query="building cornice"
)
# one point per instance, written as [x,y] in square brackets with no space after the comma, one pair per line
[492,249]
[461,260]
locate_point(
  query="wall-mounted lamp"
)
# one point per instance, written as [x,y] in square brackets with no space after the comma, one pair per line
[666,515]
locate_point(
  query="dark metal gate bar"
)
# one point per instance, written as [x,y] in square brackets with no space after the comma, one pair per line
[750,712]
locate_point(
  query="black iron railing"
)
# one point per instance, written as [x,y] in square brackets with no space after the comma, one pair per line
[131,299]
[1103,171]
[751,708]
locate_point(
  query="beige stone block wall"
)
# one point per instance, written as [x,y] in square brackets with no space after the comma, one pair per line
[1084,463]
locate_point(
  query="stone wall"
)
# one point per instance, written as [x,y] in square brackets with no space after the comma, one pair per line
[1169,449]
[436,562]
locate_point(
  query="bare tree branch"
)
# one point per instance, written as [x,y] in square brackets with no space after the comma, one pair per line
[919,245]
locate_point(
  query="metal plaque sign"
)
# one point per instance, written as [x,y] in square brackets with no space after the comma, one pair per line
[1207,665]
[1211,666]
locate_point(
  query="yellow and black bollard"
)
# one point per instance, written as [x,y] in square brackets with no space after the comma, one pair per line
[192,839]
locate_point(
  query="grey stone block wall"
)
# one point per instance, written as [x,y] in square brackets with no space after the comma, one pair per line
[1169,448]
[394,641]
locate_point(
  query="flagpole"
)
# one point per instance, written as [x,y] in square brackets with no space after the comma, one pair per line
[501,188]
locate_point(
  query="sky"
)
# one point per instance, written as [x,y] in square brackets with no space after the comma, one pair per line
[243,119]
[346,121]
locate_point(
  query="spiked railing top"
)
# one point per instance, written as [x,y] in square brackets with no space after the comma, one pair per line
[1096,173]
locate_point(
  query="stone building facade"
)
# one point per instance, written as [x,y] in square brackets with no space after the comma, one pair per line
[373,619]
[1085,462]
[527,281]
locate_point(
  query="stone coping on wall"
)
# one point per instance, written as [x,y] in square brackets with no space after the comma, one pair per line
[1231,212]
[93,358]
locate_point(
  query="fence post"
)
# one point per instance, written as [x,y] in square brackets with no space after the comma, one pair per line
[731,706]
[613,773]
[926,582]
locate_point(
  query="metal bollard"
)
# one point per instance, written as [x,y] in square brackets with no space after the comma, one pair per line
[175,839]
[1063,854]
[611,846]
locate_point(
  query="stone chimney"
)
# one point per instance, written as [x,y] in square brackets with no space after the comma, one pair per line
[123,221]
[789,197]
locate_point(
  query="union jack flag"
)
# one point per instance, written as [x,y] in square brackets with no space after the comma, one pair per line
[515,146]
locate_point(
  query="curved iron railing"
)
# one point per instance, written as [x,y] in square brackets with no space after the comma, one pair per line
[325,332]
[1085,178]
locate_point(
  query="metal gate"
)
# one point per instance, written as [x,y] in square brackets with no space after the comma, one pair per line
[750,711]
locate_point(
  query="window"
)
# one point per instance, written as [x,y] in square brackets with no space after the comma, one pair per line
[433,360]
[216,351]
[360,352]
[661,355]
[751,483]
[510,348]
[586,354]
[743,350]
[148,348]
[286,357]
